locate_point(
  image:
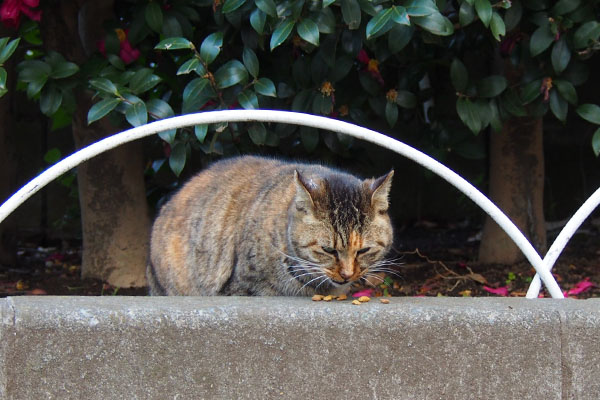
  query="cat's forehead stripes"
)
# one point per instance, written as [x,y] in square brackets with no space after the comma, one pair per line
[348,209]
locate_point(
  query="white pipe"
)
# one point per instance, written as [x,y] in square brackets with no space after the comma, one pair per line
[299,119]
[561,240]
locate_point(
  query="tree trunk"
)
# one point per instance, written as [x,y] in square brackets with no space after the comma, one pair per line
[8,171]
[517,188]
[115,221]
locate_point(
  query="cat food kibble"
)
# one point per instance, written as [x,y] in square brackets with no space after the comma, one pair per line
[342,297]
[364,299]
[328,298]
[384,301]
[356,302]
[317,297]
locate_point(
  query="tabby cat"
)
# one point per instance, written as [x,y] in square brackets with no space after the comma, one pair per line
[257,226]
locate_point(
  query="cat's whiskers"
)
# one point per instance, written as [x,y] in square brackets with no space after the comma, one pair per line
[312,280]
[301,275]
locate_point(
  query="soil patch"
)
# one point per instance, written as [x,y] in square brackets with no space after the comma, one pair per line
[429,260]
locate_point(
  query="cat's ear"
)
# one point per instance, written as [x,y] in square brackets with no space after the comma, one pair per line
[380,191]
[307,191]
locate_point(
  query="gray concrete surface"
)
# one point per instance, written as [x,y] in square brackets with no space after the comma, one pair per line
[293,348]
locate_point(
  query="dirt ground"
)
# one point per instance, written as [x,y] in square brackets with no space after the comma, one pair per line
[429,260]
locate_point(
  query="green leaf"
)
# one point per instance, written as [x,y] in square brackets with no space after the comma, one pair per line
[497,26]
[589,112]
[265,87]
[351,13]
[459,75]
[231,73]
[484,11]
[200,131]
[565,6]
[400,16]
[566,90]
[379,22]
[34,71]
[248,100]
[104,85]
[435,23]
[188,66]
[143,80]
[512,16]
[8,49]
[232,5]
[154,16]
[168,135]
[267,6]
[561,55]
[309,137]
[250,61]
[558,106]
[391,113]
[468,113]
[177,158]
[586,34]
[195,94]
[257,133]
[101,108]
[420,8]
[406,99]
[257,20]
[531,91]
[50,100]
[136,114]
[491,86]
[3,77]
[64,69]
[309,31]
[174,43]
[399,37]
[466,14]
[596,142]
[34,87]
[52,156]
[211,47]
[495,120]
[511,102]
[159,109]
[541,39]
[281,32]
[326,21]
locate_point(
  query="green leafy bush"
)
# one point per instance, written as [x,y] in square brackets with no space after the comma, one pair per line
[360,60]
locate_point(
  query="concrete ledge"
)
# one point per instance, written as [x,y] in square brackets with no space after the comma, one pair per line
[285,348]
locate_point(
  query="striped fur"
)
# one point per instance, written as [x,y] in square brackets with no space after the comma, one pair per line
[257,226]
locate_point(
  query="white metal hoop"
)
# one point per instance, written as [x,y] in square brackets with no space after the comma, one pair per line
[299,119]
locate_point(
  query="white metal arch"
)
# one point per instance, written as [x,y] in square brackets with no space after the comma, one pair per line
[542,268]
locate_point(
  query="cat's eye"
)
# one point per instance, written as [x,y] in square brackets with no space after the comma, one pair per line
[363,250]
[329,250]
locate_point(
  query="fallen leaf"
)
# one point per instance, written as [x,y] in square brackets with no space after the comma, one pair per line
[477,278]
[366,292]
[465,293]
[501,291]
[580,287]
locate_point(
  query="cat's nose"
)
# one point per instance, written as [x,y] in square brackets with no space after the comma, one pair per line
[346,274]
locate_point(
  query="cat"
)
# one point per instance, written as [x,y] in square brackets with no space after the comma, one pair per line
[264,227]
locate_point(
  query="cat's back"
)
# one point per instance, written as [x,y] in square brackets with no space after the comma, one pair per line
[210,215]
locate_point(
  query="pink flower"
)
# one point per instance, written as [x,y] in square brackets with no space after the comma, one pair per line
[501,291]
[10,12]
[580,287]
[366,292]
[127,53]
[371,65]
